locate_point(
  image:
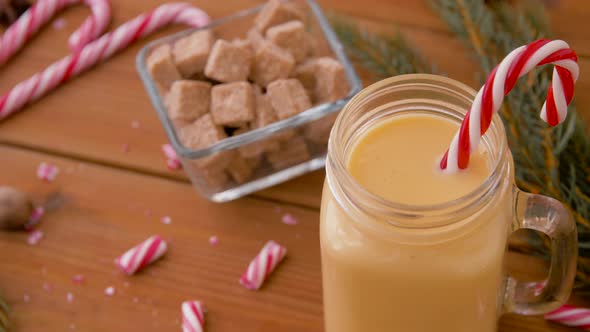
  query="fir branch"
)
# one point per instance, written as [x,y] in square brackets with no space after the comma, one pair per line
[549,161]
[381,54]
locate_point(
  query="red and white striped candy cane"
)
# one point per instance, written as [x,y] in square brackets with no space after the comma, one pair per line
[501,81]
[262,265]
[193,319]
[41,12]
[98,51]
[571,316]
[142,255]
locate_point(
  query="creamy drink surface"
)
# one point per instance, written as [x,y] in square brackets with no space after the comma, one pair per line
[379,276]
[398,160]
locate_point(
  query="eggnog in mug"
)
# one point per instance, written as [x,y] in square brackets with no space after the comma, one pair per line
[408,248]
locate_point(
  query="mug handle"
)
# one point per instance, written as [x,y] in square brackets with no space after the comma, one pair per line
[549,216]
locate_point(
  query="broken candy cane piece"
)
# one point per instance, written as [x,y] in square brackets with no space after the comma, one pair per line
[142,255]
[193,319]
[262,265]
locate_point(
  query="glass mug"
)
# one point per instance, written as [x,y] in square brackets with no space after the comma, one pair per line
[388,266]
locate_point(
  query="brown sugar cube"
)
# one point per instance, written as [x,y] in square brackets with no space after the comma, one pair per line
[191,52]
[265,115]
[318,131]
[290,153]
[275,12]
[232,104]
[244,44]
[306,74]
[228,62]
[332,83]
[241,169]
[288,98]
[188,100]
[255,38]
[212,178]
[161,66]
[201,134]
[271,63]
[289,36]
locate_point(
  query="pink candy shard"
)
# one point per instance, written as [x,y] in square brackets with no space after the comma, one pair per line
[193,319]
[288,219]
[34,237]
[59,24]
[47,172]
[78,279]
[172,160]
[35,217]
[213,240]
[142,255]
[166,220]
[109,291]
[262,265]
[70,297]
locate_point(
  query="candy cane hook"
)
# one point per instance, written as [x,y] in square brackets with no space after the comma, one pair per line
[98,51]
[41,12]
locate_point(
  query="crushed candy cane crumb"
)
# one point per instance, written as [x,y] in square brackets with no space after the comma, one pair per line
[109,291]
[78,279]
[213,240]
[59,24]
[70,297]
[125,147]
[135,124]
[34,237]
[172,160]
[47,172]
[47,287]
[166,220]
[26,298]
[288,219]
[35,217]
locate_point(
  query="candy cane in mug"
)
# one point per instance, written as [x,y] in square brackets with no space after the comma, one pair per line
[97,51]
[193,319]
[41,12]
[262,265]
[501,81]
[142,255]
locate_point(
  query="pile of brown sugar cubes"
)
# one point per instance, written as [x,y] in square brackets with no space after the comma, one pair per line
[216,88]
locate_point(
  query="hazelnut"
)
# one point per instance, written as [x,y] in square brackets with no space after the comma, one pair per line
[15,209]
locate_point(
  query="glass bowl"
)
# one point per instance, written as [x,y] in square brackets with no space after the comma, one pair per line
[310,128]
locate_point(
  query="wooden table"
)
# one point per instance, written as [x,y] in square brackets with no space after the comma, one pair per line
[107,200]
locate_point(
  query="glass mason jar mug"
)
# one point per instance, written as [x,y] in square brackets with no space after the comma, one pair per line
[388,265]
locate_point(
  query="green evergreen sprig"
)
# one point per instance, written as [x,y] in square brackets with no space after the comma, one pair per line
[383,55]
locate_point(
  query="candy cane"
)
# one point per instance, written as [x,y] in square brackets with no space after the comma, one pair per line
[193,319]
[262,265]
[142,255]
[98,51]
[571,316]
[501,81]
[41,12]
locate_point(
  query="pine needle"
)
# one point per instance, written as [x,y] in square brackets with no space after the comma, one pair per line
[382,55]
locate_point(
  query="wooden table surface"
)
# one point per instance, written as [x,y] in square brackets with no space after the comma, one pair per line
[107,200]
